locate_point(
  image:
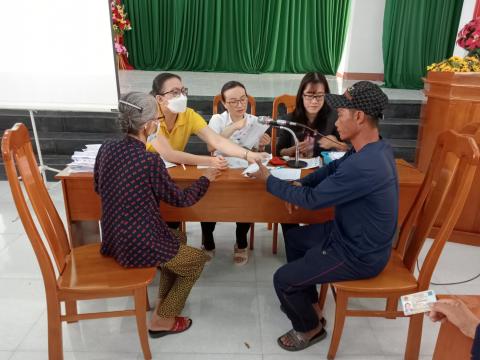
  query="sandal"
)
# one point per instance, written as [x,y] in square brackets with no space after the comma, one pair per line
[299,343]
[240,256]
[323,321]
[209,253]
[181,324]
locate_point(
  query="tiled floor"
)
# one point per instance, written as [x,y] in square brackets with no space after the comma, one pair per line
[235,311]
[258,85]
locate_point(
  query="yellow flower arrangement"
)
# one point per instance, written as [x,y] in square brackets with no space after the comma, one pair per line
[457,64]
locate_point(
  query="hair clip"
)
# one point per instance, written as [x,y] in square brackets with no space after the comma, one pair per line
[139,108]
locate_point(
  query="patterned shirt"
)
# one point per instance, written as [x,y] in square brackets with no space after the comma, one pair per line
[131,182]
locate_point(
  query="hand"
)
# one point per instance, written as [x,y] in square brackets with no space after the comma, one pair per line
[305,147]
[211,174]
[325,143]
[288,151]
[262,173]
[264,140]
[290,207]
[218,162]
[237,125]
[456,312]
[256,156]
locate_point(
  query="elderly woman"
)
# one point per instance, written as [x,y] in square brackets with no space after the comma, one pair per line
[131,183]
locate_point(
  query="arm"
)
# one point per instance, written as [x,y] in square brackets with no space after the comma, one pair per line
[320,174]
[218,142]
[163,147]
[346,184]
[96,169]
[216,125]
[166,190]
[284,143]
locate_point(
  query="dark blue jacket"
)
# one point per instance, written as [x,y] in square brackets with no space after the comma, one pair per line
[363,188]
[476,345]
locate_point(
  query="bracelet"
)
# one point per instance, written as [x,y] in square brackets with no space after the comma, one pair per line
[246,154]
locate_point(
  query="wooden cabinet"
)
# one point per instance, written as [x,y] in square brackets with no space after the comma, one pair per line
[453,101]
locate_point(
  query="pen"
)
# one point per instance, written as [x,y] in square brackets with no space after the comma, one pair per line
[184,168]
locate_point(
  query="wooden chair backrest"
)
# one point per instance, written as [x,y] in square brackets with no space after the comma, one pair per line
[472,129]
[289,101]
[445,188]
[19,160]
[251,101]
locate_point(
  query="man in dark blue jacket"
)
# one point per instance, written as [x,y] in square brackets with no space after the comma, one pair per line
[363,188]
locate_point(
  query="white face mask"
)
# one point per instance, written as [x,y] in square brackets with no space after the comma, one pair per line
[177,104]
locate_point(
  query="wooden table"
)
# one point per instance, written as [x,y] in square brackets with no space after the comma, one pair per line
[231,198]
[451,343]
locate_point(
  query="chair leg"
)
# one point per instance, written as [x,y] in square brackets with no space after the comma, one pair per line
[141,316]
[269,226]
[55,342]
[252,236]
[340,314]
[414,337]
[183,227]
[274,238]
[71,309]
[392,304]
[147,301]
[322,296]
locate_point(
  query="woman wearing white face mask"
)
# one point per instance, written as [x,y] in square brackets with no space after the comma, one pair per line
[180,122]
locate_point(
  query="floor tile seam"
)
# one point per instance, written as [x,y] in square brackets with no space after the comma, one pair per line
[15,239]
[30,330]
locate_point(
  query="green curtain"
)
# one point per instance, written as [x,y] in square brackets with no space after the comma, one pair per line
[417,33]
[237,35]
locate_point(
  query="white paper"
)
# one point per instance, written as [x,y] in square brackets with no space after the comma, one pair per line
[287,173]
[168,164]
[312,162]
[254,134]
[334,155]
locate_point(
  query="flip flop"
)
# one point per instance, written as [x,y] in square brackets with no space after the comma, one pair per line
[180,325]
[323,321]
[240,256]
[299,343]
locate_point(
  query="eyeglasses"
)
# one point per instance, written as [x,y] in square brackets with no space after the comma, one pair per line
[310,97]
[176,92]
[241,101]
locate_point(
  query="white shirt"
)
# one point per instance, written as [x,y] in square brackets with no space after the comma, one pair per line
[247,137]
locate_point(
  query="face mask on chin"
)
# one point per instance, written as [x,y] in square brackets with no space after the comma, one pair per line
[177,104]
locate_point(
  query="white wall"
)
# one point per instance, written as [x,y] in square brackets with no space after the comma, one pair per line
[363,44]
[467,14]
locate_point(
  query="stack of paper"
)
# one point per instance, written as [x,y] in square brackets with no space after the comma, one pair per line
[84,161]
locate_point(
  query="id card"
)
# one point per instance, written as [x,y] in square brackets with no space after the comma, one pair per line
[418,302]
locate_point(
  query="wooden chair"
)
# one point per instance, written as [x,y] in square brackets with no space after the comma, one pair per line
[83,273]
[444,190]
[289,101]
[253,110]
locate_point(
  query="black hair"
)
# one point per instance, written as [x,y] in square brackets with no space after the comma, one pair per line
[231,85]
[373,120]
[300,114]
[159,81]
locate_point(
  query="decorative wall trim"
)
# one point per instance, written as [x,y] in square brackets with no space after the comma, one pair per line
[361,76]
